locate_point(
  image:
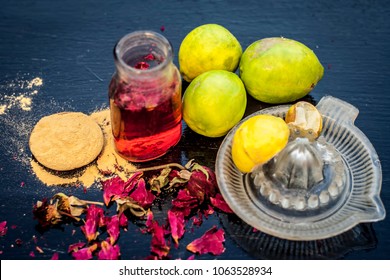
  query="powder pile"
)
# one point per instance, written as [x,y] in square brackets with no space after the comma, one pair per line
[22,95]
[107,164]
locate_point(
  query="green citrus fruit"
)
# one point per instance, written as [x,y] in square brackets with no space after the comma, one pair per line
[257,140]
[279,70]
[208,47]
[214,102]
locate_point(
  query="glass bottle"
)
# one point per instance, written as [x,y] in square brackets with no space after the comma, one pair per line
[145,97]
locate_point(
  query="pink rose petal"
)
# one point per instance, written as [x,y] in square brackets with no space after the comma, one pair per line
[3,228]
[75,246]
[112,224]
[149,222]
[123,221]
[55,256]
[185,202]
[202,183]
[210,242]
[94,219]
[220,203]
[176,223]
[158,244]
[85,253]
[141,195]
[115,187]
[197,220]
[108,251]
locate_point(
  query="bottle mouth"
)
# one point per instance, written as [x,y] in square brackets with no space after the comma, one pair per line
[142,52]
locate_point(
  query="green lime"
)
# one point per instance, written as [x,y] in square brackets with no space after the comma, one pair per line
[214,102]
[279,70]
[208,47]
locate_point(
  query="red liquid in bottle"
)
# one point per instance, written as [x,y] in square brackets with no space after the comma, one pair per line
[145,126]
[145,97]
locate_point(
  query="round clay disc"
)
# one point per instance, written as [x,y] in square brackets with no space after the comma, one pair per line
[66,141]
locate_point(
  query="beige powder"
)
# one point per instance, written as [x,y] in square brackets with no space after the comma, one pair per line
[107,164]
[2,109]
[36,82]
[109,161]
[21,97]
[49,178]
[25,103]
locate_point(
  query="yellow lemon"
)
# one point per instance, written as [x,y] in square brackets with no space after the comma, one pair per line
[279,70]
[257,140]
[304,120]
[214,102]
[208,47]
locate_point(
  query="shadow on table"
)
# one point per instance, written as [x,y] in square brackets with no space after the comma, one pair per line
[263,246]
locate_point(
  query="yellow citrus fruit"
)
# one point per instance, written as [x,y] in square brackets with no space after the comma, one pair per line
[304,120]
[214,102]
[279,70]
[208,47]
[257,140]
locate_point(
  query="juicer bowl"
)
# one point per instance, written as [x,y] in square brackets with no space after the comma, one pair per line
[348,193]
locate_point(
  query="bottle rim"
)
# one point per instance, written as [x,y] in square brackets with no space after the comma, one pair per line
[164,45]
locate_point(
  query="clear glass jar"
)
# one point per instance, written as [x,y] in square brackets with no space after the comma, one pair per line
[145,97]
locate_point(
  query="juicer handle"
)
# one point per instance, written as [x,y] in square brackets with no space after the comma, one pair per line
[337,109]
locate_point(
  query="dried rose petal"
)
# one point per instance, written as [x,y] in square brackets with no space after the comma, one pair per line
[184,202]
[39,250]
[132,206]
[149,57]
[108,251]
[202,183]
[55,256]
[220,203]
[178,178]
[75,247]
[46,213]
[210,242]
[70,204]
[197,220]
[149,222]
[142,65]
[112,224]
[85,253]
[176,224]
[115,187]
[111,188]
[158,182]
[123,221]
[158,244]
[93,220]
[141,195]
[208,211]
[3,228]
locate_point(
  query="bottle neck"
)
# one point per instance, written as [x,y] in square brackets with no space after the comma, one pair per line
[143,55]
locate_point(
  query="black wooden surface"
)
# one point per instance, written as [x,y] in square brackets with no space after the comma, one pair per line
[69,45]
